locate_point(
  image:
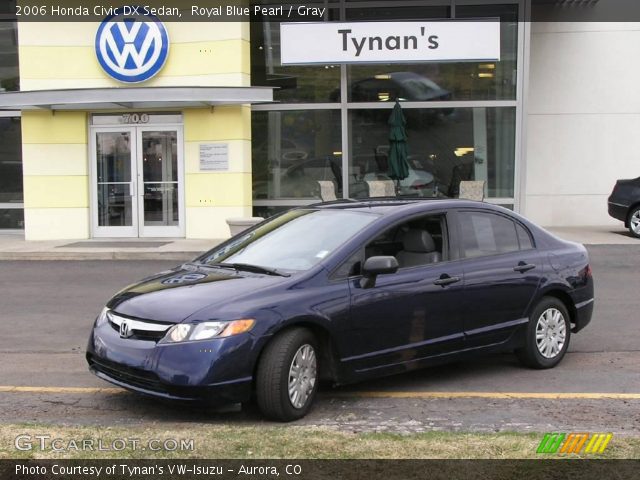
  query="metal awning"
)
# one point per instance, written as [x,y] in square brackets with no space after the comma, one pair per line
[133,98]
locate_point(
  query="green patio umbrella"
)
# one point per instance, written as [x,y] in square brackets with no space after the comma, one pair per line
[398,151]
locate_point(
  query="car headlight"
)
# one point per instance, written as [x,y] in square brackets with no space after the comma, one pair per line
[103,317]
[188,332]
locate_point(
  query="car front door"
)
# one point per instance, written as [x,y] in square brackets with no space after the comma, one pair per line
[408,315]
[502,272]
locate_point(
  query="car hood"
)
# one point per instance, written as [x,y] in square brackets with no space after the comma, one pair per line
[174,295]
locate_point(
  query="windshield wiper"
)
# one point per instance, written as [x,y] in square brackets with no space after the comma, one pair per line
[252,268]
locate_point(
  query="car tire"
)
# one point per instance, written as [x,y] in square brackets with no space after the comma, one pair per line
[634,222]
[288,364]
[547,336]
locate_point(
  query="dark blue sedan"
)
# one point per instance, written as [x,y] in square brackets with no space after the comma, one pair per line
[345,291]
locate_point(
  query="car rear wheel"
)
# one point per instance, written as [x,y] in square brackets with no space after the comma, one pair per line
[634,222]
[287,376]
[548,334]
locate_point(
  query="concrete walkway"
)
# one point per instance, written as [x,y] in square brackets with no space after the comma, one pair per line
[15,247]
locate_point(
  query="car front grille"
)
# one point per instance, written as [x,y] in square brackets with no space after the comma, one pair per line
[139,329]
[127,375]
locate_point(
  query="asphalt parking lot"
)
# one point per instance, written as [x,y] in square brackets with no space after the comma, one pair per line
[47,309]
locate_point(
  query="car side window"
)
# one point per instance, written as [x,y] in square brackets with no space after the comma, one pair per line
[524,237]
[420,241]
[486,233]
[350,267]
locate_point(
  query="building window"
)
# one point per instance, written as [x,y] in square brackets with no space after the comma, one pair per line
[441,81]
[446,146]
[11,198]
[9,74]
[293,150]
[308,84]
[330,122]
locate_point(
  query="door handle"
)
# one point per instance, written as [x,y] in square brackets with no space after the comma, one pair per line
[523,267]
[445,280]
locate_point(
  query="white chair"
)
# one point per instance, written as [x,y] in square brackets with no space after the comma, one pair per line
[327,190]
[472,190]
[381,188]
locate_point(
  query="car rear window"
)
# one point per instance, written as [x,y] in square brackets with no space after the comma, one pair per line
[487,234]
[524,237]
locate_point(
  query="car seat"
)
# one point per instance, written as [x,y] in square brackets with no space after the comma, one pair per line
[418,248]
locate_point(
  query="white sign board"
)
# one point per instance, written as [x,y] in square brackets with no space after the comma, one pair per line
[214,156]
[389,42]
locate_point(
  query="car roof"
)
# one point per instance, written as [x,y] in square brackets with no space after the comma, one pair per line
[394,205]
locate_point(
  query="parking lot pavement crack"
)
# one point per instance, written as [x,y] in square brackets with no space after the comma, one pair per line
[72,403]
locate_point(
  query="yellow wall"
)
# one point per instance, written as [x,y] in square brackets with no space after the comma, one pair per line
[56,160]
[55,169]
[62,55]
[212,197]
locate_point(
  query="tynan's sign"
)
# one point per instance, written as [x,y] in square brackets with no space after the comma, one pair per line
[131,46]
[389,42]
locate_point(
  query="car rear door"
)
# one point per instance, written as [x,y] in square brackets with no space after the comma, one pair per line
[410,315]
[502,272]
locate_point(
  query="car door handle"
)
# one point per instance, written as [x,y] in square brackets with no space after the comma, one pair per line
[445,280]
[523,267]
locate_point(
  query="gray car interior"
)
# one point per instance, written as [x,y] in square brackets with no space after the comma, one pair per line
[417,242]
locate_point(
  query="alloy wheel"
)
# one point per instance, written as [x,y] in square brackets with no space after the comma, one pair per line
[635,222]
[302,375]
[551,333]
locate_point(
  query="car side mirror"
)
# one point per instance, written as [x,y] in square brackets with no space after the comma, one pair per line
[374,266]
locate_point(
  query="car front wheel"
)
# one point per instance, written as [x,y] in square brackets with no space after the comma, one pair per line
[548,333]
[287,376]
[634,222]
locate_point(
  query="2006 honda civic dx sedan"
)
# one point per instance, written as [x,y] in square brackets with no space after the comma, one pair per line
[344,291]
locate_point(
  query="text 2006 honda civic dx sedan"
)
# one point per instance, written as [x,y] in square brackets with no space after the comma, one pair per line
[344,291]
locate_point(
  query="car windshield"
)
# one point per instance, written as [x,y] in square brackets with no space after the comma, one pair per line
[296,240]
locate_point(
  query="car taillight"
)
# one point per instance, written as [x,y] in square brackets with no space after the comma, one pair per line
[588,273]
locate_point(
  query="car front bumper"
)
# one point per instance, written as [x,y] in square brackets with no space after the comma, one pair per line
[217,371]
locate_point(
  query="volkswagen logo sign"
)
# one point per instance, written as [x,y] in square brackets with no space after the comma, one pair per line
[132,48]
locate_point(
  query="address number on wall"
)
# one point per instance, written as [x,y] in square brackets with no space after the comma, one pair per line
[135,118]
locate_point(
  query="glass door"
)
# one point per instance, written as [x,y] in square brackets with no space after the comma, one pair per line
[159,173]
[137,177]
[114,183]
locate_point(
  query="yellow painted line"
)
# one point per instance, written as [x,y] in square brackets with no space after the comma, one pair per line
[496,395]
[365,394]
[20,389]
